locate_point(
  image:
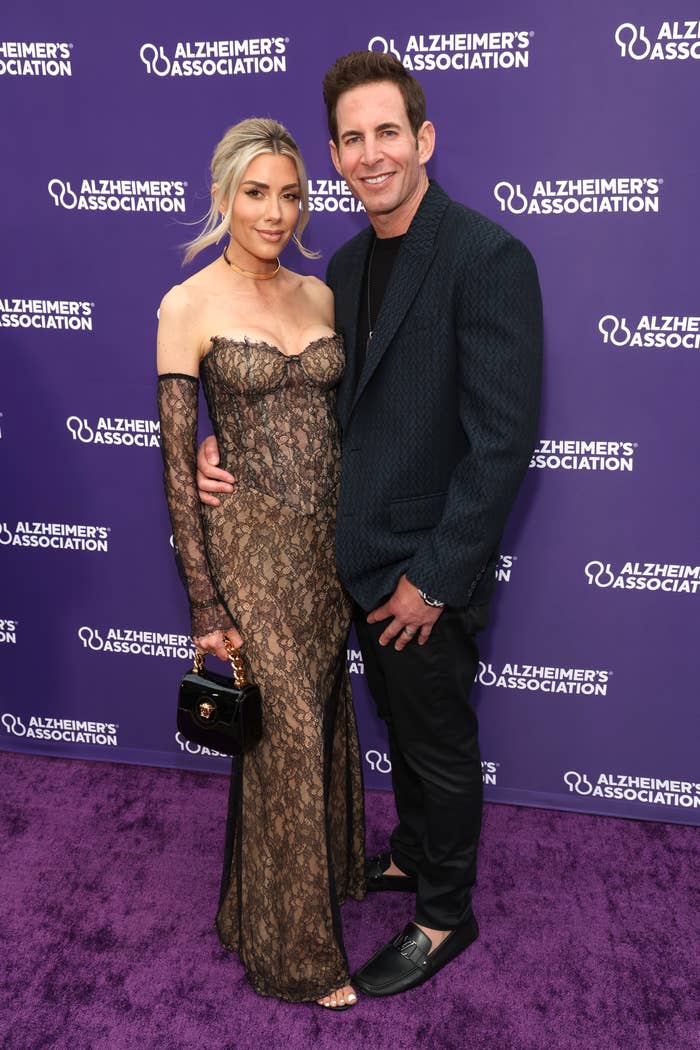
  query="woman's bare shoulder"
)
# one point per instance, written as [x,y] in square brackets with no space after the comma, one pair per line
[318,292]
[316,286]
[189,297]
[177,302]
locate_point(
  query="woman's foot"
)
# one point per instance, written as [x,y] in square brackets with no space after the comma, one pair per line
[339,999]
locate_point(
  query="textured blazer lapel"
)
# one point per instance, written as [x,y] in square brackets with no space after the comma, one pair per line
[347,305]
[414,258]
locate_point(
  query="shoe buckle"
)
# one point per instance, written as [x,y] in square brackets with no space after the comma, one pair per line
[406,948]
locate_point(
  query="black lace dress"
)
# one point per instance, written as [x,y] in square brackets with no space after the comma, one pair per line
[264,560]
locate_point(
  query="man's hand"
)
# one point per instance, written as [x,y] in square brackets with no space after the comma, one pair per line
[210,478]
[410,616]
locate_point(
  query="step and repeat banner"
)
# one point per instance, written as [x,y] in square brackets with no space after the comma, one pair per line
[574,128]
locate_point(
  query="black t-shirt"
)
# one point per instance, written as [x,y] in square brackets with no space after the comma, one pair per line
[380,261]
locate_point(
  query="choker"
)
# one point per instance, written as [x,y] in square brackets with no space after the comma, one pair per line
[251,273]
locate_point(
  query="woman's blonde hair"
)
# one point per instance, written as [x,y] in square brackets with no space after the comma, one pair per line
[241,144]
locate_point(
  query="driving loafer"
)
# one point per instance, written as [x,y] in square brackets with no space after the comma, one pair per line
[375,879]
[407,961]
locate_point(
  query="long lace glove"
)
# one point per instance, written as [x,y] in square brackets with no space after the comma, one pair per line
[178,405]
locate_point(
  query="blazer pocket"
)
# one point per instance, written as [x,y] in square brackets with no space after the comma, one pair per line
[416,512]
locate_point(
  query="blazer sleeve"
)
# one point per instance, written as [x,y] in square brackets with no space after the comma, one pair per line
[499,334]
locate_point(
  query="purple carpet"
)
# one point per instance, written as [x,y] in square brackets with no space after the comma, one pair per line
[110,875]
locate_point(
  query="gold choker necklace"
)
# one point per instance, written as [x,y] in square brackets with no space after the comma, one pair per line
[251,273]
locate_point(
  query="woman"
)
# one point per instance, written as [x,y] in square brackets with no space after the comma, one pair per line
[260,567]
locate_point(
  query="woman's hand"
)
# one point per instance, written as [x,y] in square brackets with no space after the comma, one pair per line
[214,643]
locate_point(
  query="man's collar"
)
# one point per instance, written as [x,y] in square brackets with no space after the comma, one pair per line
[421,233]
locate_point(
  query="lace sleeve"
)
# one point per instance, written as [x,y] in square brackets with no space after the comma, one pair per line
[178,401]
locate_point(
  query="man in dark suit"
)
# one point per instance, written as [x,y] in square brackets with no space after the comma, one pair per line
[441,315]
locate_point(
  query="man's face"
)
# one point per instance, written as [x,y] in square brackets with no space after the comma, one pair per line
[378,155]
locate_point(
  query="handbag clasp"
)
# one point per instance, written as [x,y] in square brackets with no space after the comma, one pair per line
[206,709]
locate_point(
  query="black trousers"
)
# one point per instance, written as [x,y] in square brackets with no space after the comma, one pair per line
[422,693]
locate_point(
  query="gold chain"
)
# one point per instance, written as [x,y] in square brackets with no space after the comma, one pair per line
[237,663]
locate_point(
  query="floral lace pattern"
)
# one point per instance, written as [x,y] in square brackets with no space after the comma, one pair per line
[276,416]
[178,399]
[295,834]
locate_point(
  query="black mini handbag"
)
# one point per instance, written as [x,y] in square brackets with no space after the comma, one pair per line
[218,712]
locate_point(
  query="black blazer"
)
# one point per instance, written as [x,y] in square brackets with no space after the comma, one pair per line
[440,430]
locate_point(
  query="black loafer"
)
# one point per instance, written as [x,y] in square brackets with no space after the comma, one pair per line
[407,961]
[375,879]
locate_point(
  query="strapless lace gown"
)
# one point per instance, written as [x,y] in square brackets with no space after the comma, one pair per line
[264,559]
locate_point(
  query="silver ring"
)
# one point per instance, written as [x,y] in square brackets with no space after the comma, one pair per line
[409,632]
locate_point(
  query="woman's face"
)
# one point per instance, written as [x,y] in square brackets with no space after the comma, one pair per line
[265,210]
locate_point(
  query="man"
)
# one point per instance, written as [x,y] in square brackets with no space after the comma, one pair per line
[441,315]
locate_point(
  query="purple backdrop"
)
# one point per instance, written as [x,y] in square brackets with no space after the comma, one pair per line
[577,132]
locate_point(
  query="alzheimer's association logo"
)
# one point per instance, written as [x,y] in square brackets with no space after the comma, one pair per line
[115,430]
[73,314]
[91,639]
[672,41]
[56,535]
[645,576]
[130,195]
[80,429]
[133,641]
[651,332]
[379,761]
[575,196]
[633,41]
[35,58]
[624,787]
[614,330]
[600,574]
[61,193]
[498,49]
[332,195]
[578,782]
[13,724]
[546,679]
[575,454]
[62,730]
[155,59]
[211,58]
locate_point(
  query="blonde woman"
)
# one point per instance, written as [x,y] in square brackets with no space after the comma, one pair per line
[260,567]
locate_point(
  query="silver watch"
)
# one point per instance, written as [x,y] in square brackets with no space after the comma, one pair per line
[434,602]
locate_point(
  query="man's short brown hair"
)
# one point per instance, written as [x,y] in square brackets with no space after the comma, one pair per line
[368,67]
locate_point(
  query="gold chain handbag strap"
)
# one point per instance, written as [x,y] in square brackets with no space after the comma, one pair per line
[237,664]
